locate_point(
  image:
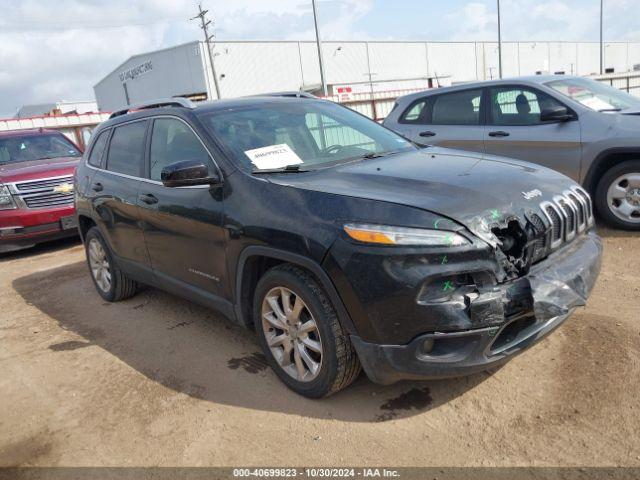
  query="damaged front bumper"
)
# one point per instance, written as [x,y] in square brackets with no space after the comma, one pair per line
[547,296]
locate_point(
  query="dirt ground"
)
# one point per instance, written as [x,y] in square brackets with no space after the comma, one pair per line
[157,381]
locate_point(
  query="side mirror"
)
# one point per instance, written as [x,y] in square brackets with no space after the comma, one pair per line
[555,114]
[187,173]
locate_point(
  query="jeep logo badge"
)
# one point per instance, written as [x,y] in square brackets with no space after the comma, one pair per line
[531,194]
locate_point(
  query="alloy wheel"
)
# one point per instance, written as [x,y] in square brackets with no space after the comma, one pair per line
[99,264]
[292,334]
[623,197]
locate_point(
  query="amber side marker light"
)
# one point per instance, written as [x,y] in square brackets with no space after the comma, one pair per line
[388,235]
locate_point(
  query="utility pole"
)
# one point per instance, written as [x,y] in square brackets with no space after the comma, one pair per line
[499,43]
[601,46]
[207,39]
[315,22]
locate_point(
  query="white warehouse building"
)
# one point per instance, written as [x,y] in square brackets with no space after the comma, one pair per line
[251,67]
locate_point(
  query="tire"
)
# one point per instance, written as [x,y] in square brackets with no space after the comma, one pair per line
[606,205]
[119,286]
[338,364]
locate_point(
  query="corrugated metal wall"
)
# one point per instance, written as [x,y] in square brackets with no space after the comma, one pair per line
[175,71]
[246,68]
[251,67]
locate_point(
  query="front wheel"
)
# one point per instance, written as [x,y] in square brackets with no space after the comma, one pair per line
[300,333]
[618,196]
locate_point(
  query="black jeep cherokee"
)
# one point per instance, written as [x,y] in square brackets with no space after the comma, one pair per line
[341,243]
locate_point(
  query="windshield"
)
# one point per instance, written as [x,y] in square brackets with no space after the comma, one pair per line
[24,148]
[595,95]
[300,133]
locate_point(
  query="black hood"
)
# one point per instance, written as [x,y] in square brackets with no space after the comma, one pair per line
[473,189]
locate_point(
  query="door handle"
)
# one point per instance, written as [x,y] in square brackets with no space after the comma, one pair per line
[427,133]
[148,199]
[97,187]
[499,133]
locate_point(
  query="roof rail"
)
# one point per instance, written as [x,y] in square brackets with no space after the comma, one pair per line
[293,93]
[169,102]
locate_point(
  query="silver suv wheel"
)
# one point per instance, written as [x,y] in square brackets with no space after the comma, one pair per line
[292,334]
[623,197]
[99,264]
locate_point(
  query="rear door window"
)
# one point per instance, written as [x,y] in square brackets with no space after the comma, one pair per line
[458,108]
[126,149]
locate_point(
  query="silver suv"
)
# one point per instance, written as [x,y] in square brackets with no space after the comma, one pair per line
[584,129]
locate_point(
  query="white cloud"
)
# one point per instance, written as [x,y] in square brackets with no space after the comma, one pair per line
[474,22]
[58,49]
[44,61]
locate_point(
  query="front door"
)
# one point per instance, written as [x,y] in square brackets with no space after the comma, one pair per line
[182,226]
[448,120]
[514,129]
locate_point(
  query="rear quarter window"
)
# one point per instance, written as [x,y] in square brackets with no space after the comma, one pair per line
[414,113]
[97,150]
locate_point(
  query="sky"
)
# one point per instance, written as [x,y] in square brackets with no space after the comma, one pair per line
[58,49]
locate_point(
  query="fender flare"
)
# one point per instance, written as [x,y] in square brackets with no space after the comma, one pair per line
[590,182]
[304,262]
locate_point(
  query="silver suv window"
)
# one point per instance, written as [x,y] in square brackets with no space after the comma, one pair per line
[457,108]
[594,95]
[513,106]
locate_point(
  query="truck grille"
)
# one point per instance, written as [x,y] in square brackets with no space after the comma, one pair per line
[568,214]
[46,192]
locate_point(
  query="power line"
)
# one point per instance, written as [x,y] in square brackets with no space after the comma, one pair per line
[34,26]
[202,15]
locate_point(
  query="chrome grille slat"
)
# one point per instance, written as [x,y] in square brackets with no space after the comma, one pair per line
[580,210]
[42,184]
[568,214]
[555,218]
[586,199]
[39,193]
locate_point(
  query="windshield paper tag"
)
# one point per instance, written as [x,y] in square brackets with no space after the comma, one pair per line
[273,156]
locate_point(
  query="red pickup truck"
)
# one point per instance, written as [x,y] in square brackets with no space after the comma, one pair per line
[36,187]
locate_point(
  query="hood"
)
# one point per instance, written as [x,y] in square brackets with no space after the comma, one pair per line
[478,191]
[631,111]
[34,169]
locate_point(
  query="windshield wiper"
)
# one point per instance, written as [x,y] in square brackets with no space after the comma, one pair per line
[609,109]
[381,154]
[286,169]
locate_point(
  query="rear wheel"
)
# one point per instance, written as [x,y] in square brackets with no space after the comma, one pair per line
[300,333]
[111,283]
[618,196]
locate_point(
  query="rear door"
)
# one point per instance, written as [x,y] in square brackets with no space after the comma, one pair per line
[514,129]
[114,190]
[182,226]
[448,120]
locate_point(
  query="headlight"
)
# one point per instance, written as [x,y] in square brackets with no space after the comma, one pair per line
[386,235]
[6,200]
